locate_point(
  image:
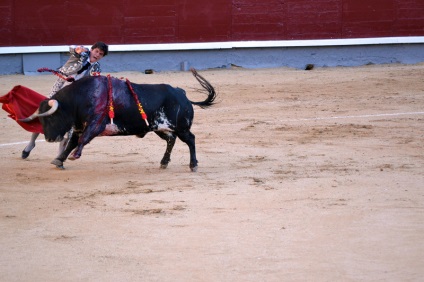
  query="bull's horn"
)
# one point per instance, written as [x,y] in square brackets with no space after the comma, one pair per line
[54,104]
[31,117]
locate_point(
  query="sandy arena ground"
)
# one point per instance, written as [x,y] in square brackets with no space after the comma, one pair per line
[303,176]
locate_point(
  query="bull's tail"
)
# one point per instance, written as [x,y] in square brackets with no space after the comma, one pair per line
[207,87]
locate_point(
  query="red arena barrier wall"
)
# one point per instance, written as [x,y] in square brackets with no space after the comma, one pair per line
[47,22]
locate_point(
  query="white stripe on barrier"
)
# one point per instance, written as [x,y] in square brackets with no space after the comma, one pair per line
[224,45]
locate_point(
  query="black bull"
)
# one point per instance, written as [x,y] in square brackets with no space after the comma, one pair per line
[84,107]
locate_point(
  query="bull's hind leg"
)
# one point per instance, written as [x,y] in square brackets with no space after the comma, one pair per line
[170,142]
[189,138]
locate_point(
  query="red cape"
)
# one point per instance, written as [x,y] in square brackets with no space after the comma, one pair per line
[21,102]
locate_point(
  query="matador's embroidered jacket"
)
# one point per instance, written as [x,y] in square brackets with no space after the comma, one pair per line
[74,64]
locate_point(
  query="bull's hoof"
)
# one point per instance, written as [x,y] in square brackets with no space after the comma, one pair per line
[58,163]
[73,157]
[163,166]
[194,168]
[25,154]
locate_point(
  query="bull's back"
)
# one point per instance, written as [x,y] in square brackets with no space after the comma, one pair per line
[160,97]
[158,101]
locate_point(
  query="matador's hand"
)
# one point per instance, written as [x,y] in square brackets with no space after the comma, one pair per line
[80,49]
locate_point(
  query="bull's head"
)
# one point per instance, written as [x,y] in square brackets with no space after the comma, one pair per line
[53,126]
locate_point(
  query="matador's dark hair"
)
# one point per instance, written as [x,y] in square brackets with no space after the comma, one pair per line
[102,46]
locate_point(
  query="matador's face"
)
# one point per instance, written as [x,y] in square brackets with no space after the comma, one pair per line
[96,54]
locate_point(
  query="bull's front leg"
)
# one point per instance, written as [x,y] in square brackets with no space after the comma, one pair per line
[88,134]
[73,142]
